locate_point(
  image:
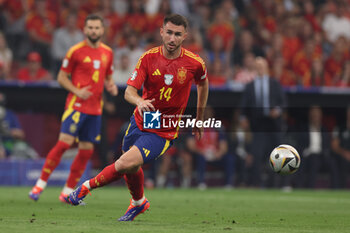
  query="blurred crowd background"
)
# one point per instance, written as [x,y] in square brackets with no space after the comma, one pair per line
[305,43]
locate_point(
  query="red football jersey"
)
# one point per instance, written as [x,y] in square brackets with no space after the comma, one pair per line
[168,81]
[88,67]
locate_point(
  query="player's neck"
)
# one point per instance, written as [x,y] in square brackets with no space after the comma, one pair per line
[93,45]
[172,55]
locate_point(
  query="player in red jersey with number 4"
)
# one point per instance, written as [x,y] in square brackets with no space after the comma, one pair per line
[166,74]
[90,66]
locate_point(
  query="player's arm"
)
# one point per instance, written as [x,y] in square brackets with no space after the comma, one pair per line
[202,97]
[134,98]
[65,82]
[110,86]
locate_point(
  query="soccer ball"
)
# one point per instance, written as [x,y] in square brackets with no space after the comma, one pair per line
[284,159]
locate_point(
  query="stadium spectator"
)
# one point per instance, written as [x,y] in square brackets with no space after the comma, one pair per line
[33,70]
[64,38]
[262,103]
[247,73]
[40,25]
[317,77]
[283,75]
[340,158]
[12,136]
[310,16]
[217,51]
[123,70]
[136,17]
[245,44]
[16,14]
[5,57]
[291,42]
[113,22]
[302,61]
[334,64]
[73,7]
[336,24]
[216,74]
[223,28]
[314,145]
[211,149]
[133,49]
[239,144]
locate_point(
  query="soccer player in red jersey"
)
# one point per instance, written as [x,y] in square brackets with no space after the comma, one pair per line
[166,74]
[90,66]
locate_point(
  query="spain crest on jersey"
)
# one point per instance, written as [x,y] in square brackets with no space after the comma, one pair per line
[168,79]
[97,64]
[181,75]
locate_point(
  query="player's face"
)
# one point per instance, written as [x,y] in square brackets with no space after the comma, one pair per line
[93,30]
[172,36]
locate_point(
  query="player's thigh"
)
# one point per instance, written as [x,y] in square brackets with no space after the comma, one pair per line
[152,146]
[90,130]
[72,122]
[66,138]
[130,161]
[132,133]
[83,145]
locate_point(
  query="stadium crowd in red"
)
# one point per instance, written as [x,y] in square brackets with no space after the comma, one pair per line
[306,42]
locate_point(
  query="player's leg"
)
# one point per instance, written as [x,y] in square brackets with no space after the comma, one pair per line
[129,162]
[52,160]
[77,169]
[150,147]
[88,133]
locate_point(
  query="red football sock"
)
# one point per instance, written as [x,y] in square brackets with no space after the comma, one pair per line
[106,176]
[53,159]
[78,167]
[135,184]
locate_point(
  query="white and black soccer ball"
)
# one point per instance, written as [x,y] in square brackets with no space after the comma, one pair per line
[284,159]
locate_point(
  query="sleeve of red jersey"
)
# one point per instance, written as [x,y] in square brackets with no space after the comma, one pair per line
[67,63]
[139,75]
[201,73]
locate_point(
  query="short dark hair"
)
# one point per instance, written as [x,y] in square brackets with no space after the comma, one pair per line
[93,17]
[176,19]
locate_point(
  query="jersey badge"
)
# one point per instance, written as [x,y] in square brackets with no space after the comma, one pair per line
[65,63]
[168,79]
[133,75]
[87,59]
[104,59]
[156,72]
[181,75]
[97,64]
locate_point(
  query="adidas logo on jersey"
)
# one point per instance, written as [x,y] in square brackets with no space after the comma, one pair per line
[87,59]
[156,72]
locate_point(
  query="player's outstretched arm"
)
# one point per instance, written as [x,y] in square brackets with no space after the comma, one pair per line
[65,82]
[110,86]
[133,97]
[202,97]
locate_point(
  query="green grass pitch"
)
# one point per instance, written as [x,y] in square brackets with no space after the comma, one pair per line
[179,210]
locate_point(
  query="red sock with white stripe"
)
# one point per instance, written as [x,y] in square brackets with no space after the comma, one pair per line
[51,162]
[106,176]
[135,184]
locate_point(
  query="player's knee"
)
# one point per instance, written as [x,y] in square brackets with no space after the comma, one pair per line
[123,165]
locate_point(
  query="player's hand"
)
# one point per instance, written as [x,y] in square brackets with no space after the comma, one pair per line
[112,88]
[197,132]
[145,105]
[84,93]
